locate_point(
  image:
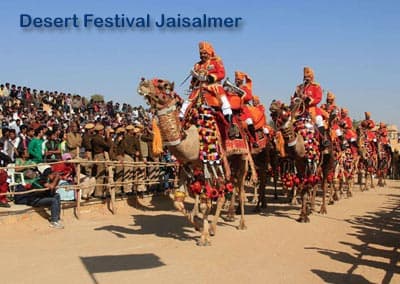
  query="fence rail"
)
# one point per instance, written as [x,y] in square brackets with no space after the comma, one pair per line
[110,186]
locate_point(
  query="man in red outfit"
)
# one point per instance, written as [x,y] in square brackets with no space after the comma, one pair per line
[311,92]
[244,83]
[206,77]
[346,123]
[368,125]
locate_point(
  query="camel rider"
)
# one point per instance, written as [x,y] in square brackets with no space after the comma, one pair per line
[346,123]
[330,104]
[206,77]
[311,93]
[266,128]
[383,134]
[240,98]
[368,125]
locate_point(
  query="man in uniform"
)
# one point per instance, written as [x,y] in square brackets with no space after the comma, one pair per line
[382,134]
[100,144]
[206,76]
[346,123]
[368,125]
[87,145]
[131,147]
[124,152]
[311,92]
[330,104]
[244,82]
[74,139]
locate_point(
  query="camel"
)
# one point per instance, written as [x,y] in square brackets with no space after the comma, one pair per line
[384,162]
[207,181]
[367,162]
[304,153]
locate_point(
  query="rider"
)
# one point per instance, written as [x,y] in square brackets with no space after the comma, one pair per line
[383,134]
[330,104]
[368,125]
[311,92]
[346,124]
[206,76]
[244,83]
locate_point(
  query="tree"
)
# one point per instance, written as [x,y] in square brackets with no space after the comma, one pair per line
[97,98]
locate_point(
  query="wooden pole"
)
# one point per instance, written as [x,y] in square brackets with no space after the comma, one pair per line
[78,191]
[110,184]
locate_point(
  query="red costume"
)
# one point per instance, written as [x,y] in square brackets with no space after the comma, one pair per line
[330,104]
[242,102]
[368,125]
[383,134]
[347,124]
[213,72]
[310,91]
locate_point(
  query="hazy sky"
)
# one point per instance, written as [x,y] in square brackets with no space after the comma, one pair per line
[353,46]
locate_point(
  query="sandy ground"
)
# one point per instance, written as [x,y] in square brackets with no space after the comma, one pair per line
[357,242]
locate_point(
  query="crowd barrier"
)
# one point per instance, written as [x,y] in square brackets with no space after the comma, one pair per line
[111,185]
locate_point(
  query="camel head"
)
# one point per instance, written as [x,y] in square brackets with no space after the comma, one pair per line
[157,92]
[280,113]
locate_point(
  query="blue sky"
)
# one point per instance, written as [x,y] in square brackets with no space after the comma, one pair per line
[353,46]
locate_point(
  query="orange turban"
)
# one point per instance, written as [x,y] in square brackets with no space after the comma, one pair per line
[308,72]
[367,115]
[207,47]
[239,75]
[330,96]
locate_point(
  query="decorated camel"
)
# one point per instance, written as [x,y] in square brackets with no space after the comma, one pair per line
[302,146]
[197,143]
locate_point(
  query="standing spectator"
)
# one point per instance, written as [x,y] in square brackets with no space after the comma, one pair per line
[52,147]
[100,144]
[35,147]
[74,138]
[12,144]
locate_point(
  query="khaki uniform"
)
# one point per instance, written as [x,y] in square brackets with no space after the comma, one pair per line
[74,140]
[99,146]
[124,172]
[87,144]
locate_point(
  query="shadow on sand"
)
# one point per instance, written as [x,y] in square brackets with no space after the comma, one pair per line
[114,263]
[379,233]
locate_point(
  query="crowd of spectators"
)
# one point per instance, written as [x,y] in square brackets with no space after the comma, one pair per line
[40,126]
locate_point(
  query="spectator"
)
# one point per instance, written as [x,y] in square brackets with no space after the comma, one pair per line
[35,147]
[48,179]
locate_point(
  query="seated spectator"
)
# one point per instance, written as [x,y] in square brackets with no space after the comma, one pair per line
[3,189]
[48,179]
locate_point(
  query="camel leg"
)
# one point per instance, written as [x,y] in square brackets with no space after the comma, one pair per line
[179,205]
[205,206]
[331,191]
[220,203]
[372,180]
[231,209]
[323,206]
[294,197]
[256,196]
[348,183]
[314,190]
[303,211]
[242,225]
[261,193]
